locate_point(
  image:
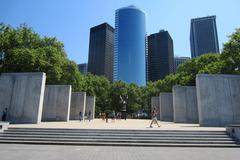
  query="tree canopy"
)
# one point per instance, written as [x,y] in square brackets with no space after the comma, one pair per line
[23,50]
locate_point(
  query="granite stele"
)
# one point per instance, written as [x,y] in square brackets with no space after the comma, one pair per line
[22,94]
[78,101]
[218,99]
[90,107]
[166,106]
[56,106]
[185,104]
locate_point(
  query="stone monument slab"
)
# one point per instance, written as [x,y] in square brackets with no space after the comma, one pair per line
[218,97]
[90,107]
[78,102]
[166,106]
[185,104]
[56,106]
[22,95]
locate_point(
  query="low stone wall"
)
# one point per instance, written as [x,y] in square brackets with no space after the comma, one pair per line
[22,95]
[185,104]
[90,107]
[78,102]
[155,104]
[56,106]
[218,99]
[166,106]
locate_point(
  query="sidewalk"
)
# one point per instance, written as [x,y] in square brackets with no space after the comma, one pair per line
[119,124]
[52,152]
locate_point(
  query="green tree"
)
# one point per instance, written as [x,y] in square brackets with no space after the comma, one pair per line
[23,50]
[134,98]
[187,71]
[98,86]
[231,54]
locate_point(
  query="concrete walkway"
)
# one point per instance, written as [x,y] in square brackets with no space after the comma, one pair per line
[45,152]
[118,124]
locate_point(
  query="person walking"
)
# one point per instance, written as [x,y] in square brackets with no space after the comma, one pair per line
[80,116]
[154,118]
[4,115]
[85,116]
[89,115]
[106,116]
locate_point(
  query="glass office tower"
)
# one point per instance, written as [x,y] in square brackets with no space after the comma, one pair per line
[100,58]
[203,36]
[160,56]
[129,46]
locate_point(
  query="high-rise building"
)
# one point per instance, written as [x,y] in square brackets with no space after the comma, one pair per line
[203,36]
[82,68]
[160,56]
[178,61]
[101,48]
[130,49]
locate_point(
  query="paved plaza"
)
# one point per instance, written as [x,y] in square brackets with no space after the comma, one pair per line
[68,152]
[119,124]
[45,152]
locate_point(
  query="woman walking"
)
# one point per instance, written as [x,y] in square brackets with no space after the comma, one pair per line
[154,118]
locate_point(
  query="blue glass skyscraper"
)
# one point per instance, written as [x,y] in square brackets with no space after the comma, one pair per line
[129,47]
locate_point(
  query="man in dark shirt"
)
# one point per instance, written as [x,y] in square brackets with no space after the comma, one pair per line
[80,116]
[4,115]
[89,115]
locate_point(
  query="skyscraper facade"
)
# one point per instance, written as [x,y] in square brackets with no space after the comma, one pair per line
[82,68]
[203,36]
[160,61]
[101,48]
[130,49]
[178,61]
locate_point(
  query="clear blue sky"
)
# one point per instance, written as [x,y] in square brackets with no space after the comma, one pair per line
[70,20]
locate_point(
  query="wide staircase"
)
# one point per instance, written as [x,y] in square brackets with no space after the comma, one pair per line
[103,137]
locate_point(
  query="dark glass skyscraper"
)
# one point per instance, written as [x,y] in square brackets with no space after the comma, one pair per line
[82,68]
[203,36]
[160,61]
[129,49]
[100,58]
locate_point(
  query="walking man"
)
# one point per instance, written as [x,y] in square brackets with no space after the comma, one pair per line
[4,115]
[106,114]
[80,116]
[89,115]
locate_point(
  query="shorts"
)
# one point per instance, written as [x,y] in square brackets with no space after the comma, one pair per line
[154,118]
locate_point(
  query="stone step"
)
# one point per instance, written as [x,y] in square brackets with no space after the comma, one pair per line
[113,130]
[118,137]
[114,137]
[118,140]
[117,132]
[120,144]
